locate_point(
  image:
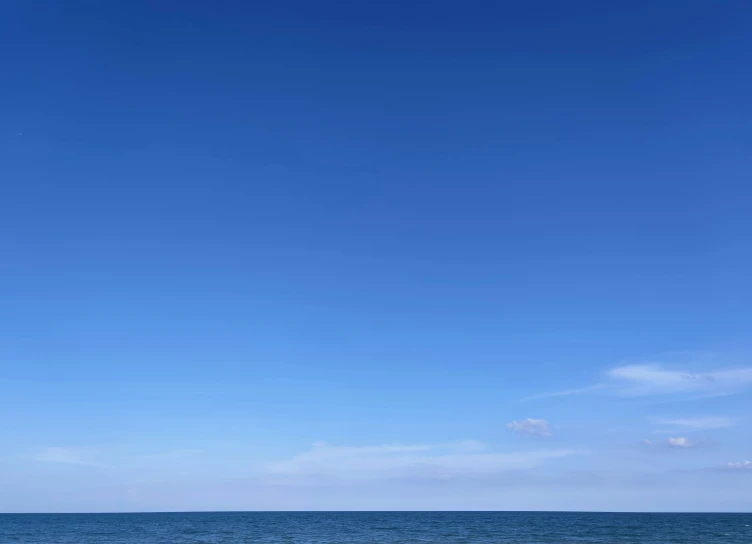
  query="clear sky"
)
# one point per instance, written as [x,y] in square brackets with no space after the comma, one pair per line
[375,255]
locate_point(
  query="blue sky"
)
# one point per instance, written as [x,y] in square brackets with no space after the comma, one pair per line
[360,255]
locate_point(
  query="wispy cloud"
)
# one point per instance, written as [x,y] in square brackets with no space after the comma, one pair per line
[407,461]
[530,426]
[699,423]
[167,455]
[676,442]
[635,380]
[71,456]
[93,457]
[736,467]
[567,392]
[654,379]
[680,442]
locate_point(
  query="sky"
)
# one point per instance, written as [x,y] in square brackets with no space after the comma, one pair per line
[375,255]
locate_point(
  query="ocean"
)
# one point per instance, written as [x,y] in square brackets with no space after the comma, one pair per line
[375,528]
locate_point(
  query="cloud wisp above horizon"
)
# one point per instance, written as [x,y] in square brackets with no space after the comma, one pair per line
[69,455]
[695,423]
[655,379]
[530,427]
[97,457]
[433,461]
[678,443]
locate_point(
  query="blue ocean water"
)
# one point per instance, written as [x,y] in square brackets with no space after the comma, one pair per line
[375,528]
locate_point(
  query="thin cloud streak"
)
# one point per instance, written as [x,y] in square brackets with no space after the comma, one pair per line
[654,379]
[530,426]
[676,443]
[680,442]
[567,392]
[638,380]
[70,456]
[92,457]
[439,461]
[700,423]
[174,454]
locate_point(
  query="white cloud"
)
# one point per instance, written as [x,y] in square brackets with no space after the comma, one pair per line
[567,392]
[407,461]
[680,442]
[676,443]
[740,465]
[167,455]
[656,379]
[697,422]
[530,426]
[90,456]
[71,456]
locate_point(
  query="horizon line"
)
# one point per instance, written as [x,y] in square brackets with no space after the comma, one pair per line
[157,512]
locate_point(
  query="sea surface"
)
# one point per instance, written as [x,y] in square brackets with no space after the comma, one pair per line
[375,528]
